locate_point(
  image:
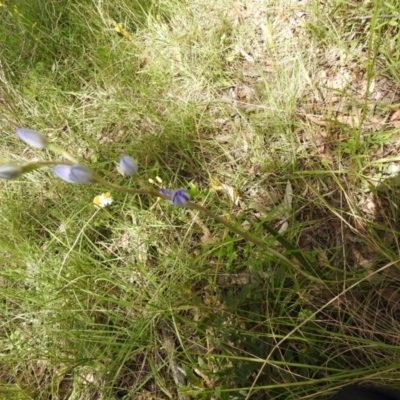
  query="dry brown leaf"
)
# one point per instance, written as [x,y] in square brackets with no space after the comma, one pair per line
[206,238]
[392,295]
[357,255]
[351,120]
[331,297]
[393,272]
[243,278]
[361,260]
[377,123]
[316,120]
[395,116]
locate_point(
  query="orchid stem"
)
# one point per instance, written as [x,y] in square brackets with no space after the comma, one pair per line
[194,206]
[248,237]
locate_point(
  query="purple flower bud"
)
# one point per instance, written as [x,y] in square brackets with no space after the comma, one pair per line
[73,173]
[179,197]
[33,138]
[10,171]
[128,165]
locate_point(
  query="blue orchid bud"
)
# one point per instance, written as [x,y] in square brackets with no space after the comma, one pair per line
[10,171]
[178,198]
[128,165]
[33,138]
[73,173]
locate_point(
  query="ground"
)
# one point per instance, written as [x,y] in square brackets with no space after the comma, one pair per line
[281,119]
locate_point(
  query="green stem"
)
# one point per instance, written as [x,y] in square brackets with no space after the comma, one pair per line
[194,206]
[248,237]
[232,227]
[62,152]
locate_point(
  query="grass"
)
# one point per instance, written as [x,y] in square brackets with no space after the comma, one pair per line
[261,99]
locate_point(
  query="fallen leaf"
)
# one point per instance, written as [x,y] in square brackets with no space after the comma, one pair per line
[392,295]
[360,259]
[316,120]
[206,238]
[377,123]
[351,120]
[395,116]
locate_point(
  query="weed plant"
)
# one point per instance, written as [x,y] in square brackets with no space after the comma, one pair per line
[279,279]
